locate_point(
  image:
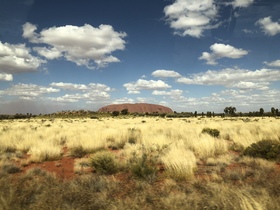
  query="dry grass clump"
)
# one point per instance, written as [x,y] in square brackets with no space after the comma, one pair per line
[104,162]
[82,165]
[179,162]
[221,160]
[44,151]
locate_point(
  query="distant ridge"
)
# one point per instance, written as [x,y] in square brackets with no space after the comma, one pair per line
[136,108]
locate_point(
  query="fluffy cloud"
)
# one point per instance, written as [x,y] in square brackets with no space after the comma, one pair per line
[65,99]
[167,93]
[90,97]
[89,88]
[92,92]
[269,27]
[123,100]
[6,77]
[141,84]
[273,63]
[69,86]
[239,78]
[192,18]
[29,91]
[166,74]
[222,51]
[84,45]
[47,52]
[250,85]
[242,3]
[17,59]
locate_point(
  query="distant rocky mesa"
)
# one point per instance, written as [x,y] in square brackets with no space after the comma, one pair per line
[137,108]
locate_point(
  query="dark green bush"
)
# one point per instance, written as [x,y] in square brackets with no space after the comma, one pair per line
[94,117]
[11,168]
[104,162]
[266,149]
[212,132]
[78,152]
[143,166]
[134,135]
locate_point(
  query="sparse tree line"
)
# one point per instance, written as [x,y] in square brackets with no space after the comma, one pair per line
[228,111]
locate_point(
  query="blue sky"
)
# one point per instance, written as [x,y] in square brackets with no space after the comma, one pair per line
[185,54]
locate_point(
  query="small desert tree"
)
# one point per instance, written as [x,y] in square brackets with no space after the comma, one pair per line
[230,110]
[115,113]
[124,112]
[272,110]
[261,111]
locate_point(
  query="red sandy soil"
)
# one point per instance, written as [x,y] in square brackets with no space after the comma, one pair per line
[136,108]
[64,168]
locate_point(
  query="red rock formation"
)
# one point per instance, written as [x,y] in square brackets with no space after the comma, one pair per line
[136,108]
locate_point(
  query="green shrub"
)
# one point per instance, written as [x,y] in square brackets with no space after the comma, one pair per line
[104,162]
[11,168]
[134,135]
[94,117]
[144,166]
[236,147]
[212,132]
[266,149]
[78,152]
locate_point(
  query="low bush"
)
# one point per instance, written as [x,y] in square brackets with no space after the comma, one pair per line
[94,117]
[143,166]
[10,168]
[104,162]
[212,132]
[78,152]
[266,149]
[134,135]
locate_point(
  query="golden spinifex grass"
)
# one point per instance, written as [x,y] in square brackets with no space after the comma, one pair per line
[44,139]
[217,178]
[180,163]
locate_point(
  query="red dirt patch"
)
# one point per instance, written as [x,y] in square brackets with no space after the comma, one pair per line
[63,168]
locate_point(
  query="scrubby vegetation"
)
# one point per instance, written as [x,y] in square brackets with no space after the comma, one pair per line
[267,149]
[211,131]
[104,162]
[123,163]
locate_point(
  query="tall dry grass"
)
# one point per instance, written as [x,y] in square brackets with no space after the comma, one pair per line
[45,139]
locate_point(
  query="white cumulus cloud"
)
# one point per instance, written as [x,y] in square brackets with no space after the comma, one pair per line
[141,84]
[123,100]
[47,52]
[17,58]
[273,63]
[239,78]
[269,27]
[84,45]
[93,92]
[6,77]
[222,51]
[28,90]
[69,86]
[167,93]
[242,3]
[165,73]
[192,18]
[251,85]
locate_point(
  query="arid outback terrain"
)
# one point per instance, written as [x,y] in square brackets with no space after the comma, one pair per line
[129,162]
